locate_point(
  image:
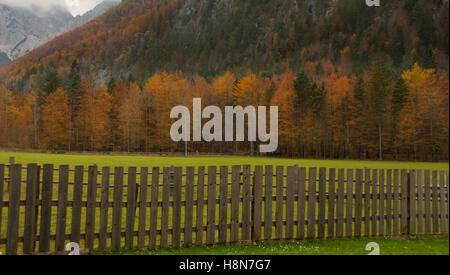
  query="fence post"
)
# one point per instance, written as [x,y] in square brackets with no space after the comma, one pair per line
[76,204]
[412,202]
[154,207]
[62,207]
[200,205]
[268,181]
[30,208]
[46,208]
[104,208]
[211,213]
[257,203]
[91,206]
[117,209]
[13,211]
[131,208]
[176,210]
[223,204]
[443,208]
[189,208]
[36,208]
[246,204]
[165,207]
[235,194]
[252,208]
[142,190]
[2,181]
[290,185]
[405,210]
[312,198]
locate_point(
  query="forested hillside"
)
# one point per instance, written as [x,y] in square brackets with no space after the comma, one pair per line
[351,81]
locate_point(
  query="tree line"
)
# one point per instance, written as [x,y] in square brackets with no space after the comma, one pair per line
[324,112]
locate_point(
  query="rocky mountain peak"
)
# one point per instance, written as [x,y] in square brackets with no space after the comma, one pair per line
[22,30]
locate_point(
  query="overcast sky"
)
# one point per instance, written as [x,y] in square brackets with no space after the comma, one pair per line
[76,7]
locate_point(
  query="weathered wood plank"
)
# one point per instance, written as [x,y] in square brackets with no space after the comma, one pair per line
[322,202]
[246,204]
[142,225]
[189,209]
[447,197]
[389,202]
[165,207]
[2,187]
[312,198]
[419,201]
[211,218]
[301,203]
[435,202]
[279,203]
[427,184]
[375,202]
[443,208]
[154,207]
[104,209]
[30,208]
[358,202]
[405,203]
[223,205]
[12,234]
[76,208]
[349,204]
[36,211]
[235,200]
[331,202]
[268,202]
[91,206]
[38,193]
[381,231]
[117,208]
[46,208]
[367,193]
[62,210]
[290,190]
[200,205]
[412,202]
[257,200]
[396,228]
[131,208]
[340,204]
[176,216]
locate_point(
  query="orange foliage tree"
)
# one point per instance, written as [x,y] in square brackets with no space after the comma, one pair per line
[56,121]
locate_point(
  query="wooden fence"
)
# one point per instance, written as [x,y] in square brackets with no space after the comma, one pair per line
[174,207]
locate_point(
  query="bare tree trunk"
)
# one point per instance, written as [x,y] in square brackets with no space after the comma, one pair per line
[127,136]
[415,152]
[380,141]
[347,134]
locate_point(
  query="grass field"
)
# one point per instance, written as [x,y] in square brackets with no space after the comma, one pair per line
[420,246]
[149,161]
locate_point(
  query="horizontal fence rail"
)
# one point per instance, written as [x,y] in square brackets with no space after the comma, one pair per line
[43,208]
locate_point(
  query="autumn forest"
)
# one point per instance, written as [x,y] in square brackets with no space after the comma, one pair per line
[342,117]
[343,92]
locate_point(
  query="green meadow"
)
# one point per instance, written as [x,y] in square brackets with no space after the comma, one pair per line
[161,161]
